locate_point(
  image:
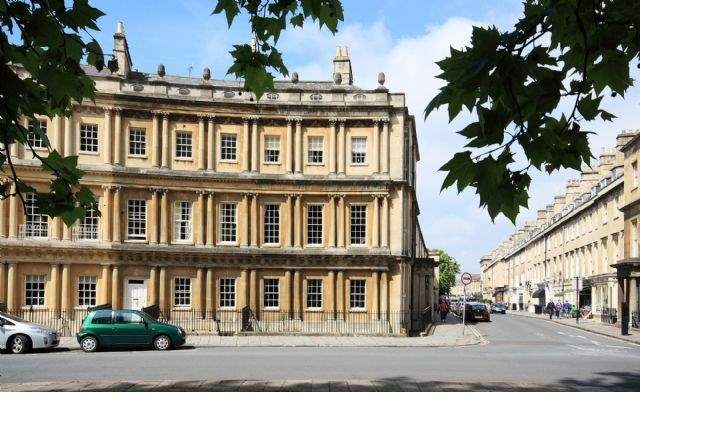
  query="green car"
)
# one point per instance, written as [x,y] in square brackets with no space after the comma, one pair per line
[109,328]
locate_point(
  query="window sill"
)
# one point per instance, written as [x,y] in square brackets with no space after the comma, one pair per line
[228,162]
[272,309]
[144,157]
[272,163]
[180,308]
[227,243]
[314,309]
[182,158]
[271,245]
[97,153]
[36,148]
[358,310]
[182,242]
[358,164]
[315,164]
[136,241]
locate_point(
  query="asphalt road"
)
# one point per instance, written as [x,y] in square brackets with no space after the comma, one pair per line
[520,350]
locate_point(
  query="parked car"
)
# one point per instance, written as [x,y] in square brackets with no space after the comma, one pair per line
[105,328]
[477,311]
[20,336]
[498,308]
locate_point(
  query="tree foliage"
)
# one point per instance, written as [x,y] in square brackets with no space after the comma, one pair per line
[448,270]
[42,45]
[267,21]
[513,84]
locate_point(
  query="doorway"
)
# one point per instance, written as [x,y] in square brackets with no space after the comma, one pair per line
[136,294]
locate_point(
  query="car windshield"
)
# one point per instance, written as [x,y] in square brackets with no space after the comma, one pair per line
[13,318]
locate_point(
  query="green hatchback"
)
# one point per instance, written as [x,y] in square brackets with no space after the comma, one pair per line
[114,328]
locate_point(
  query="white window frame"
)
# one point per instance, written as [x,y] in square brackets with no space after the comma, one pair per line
[317,285]
[275,151]
[36,224]
[185,146]
[315,150]
[225,138]
[88,228]
[140,223]
[227,292]
[37,142]
[227,228]
[87,290]
[312,227]
[356,152]
[38,288]
[179,221]
[137,142]
[88,136]
[352,224]
[182,290]
[266,285]
[266,225]
[356,282]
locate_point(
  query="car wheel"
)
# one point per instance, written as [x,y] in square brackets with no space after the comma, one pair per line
[89,344]
[19,344]
[162,343]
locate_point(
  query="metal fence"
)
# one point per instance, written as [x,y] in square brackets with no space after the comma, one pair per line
[234,322]
[636,319]
[609,315]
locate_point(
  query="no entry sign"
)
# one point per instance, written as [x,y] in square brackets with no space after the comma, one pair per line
[466,278]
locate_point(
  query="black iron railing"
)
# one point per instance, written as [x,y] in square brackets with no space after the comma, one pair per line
[636,319]
[609,315]
[65,322]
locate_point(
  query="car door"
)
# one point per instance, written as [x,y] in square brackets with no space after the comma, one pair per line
[101,325]
[130,328]
[6,328]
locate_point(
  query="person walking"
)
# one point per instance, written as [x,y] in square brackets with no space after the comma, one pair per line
[557,308]
[443,308]
[550,309]
[576,313]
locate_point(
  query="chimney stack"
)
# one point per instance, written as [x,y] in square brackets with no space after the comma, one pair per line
[342,66]
[121,51]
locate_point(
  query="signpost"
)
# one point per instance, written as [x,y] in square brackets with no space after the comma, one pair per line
[466,279]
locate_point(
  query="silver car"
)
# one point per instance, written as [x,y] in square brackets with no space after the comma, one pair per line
[19,336]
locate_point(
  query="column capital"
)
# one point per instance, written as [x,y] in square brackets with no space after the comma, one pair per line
[107,110]
[159,190]
[164,114]
[210,117]
[297,120]
[332,121]
[253,118]
[117,109]
[115,187]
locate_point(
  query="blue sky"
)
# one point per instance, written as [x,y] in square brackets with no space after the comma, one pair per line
[402,39]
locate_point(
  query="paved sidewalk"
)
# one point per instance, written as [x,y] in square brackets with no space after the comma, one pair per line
[396,385]
[591,325]
[446,334]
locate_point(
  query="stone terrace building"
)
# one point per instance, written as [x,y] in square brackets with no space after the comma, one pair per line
[581,234]
[298,206]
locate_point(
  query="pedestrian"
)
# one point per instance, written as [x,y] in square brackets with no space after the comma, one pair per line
[576,313]
[443,308]
[557,308]
[566,309]
[550,308]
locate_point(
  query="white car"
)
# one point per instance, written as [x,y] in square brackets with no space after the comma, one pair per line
[19,336]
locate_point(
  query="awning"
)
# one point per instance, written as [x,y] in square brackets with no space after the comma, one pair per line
[540,293]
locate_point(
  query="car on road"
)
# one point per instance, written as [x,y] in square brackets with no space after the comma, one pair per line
[498,308]
[20,336]
[106,328]
[477,311]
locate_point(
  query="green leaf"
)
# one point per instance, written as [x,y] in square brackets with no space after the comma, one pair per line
[230,7]
[588,107]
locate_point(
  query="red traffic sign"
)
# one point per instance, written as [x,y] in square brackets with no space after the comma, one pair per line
[466,278]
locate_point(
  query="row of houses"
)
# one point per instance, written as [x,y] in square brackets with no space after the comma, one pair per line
[583,248]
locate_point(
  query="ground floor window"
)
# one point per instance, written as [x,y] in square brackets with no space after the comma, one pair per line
[227,292]
[314,294]
[357,293]
[271,292]
[87,286]
[181,292]
[35,290]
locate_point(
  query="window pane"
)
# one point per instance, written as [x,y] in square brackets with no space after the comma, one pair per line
[36,141]
[136,141]
[183,144]
[272,149]
[314,294]
[136,219]
[271,227]
[357,294]
[315,150]
[87,288]
[358,150]
[89,226]
[271,292]
[315,224]
[88,138]
[183,221]
[227,292]
[228,146]
[127,317]
[227,222]
[36,224]
[35,290]
[358,224]
[104,316]
[181,292]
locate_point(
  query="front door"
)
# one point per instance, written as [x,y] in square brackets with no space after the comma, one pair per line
[136,294]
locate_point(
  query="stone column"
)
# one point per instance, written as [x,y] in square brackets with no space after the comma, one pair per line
[377,301]
[376,227]
[154,215]
[289,146]
[201,142]
[298,148]
[341,221]
[163,301]
[253,223]
[57,141]
[165,145]
[332,226]
[210,220]
[245,236]
[104,297]
[13,212]
[288,221]
[286,296]
[153,286]
[108,146]
[384,296]
[297,294]
[68,143]
[115,289]
[246,146]
[341,147]
[331,146]
[155,139]
[3,219]
[298,222]
[254,146]
[200,230]
[106,214]
[210,295]
[198,303]
[340,294]
[56,228]
[330,304]
[253,300]
[244,289]
[53,301]
[377,145]
[116,215]
[386,147]
[12,296]
[65,289]
[211,143]
[386,221]
[118,137]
